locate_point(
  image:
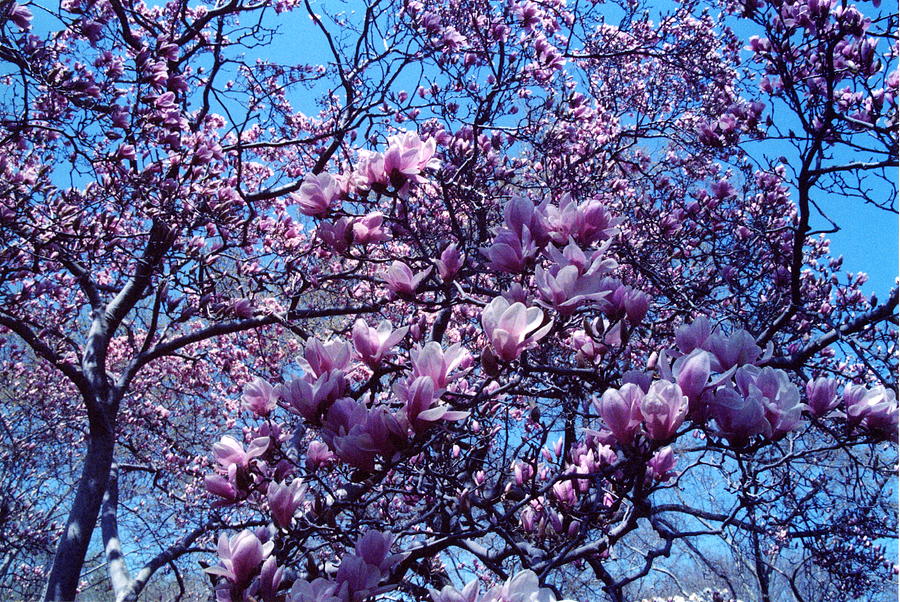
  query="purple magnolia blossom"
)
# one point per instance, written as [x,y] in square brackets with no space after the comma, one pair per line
[240,557]
[664,407]
[317,455]
[270,577]
[228,451]
[660,466]
[736,349]
[370,229]
[358,575]
[374,345]
[738,417]
[778,395]
[587,223]
[318,590]
[620,410]
[259,397]
[420,403]
[435,362]
[450,262]
[875,409]
[284,499]
[409,156]
[566,289]
[401,280]
[317,193]
[337,235]
[511,329]
[224,487]
[596,262]
[510,252]
[821,396]
[357,434]
[319,358]
[689,337]
[369,170]
[310,398]
[521,215]
[524,586]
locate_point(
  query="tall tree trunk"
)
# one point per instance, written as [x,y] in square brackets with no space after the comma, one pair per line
[62,584]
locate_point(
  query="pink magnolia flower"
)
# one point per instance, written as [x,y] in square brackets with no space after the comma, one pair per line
[337,235]
[401,280]
[876,409]
[694,335]
[738,417]
[284,499]
[521,215]
[450,262]
[345,432]
[311,399]
[691,372]
[663,408]
[369,229]
[660,466]
[318,590]
[374,345]
[420,406]
[240,557]
[317,455]
[821,396]
[369,170]
[259,397]
[270,577]
[596,262]
[408,155]
[511,329]
[737,349]
[778,395]
[567,289]
[224,487]
[637,304]
[587,223]
[319,358]
[21,16]
[317,193]
[620,410]
[524,586]
[510,252]
[436,363]
[229,452]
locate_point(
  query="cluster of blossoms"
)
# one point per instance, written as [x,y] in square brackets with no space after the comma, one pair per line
[400,167]
[521,587]
[250,570]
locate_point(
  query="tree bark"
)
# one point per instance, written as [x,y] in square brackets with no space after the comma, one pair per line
[62,584]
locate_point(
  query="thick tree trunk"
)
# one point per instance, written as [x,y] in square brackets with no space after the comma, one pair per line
[62,584]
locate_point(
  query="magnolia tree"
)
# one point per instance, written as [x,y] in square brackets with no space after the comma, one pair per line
[517,309]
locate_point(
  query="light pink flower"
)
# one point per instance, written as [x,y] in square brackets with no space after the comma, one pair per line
[401,280]
[240,557]
[259,397]
[228,451]
[664,407]
[319,358]
[661,464]
[450,262]
[284,499]
[620,410]
[821,396]
[317,193]
[374,345]
[511,329]
[369,229]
